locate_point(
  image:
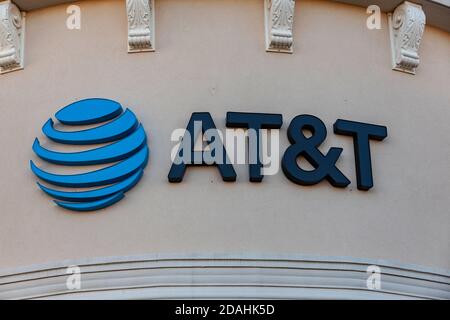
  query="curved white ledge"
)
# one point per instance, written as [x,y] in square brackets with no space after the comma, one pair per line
[224,276]
[437,11]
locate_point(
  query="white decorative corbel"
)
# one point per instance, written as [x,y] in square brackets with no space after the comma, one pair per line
[12,37]
[141,25]
[406,26]
[279,19]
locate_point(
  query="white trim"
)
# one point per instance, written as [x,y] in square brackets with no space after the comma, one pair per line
[216,276]
[436,10]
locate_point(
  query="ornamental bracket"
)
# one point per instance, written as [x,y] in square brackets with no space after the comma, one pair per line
[406,26]
[12,37]
[141,25]
[278,20]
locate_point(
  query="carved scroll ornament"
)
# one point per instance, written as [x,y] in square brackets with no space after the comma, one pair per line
[279,19]
[12,29]
[140,25]
[407,24]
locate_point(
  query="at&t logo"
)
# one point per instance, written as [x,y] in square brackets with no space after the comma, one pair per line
[124,149]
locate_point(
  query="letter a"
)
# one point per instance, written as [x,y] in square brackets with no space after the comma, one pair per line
[178,168]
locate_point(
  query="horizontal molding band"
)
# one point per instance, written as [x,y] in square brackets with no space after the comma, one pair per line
[436,10]
[215,276]
[279,16]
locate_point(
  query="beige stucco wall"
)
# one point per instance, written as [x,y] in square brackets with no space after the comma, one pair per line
[210,57]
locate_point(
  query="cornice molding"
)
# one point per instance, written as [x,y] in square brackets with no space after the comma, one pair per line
[406,26]
[437,11]
[222,276]
[12,37]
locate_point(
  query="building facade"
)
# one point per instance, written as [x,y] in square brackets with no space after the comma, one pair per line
[205,237]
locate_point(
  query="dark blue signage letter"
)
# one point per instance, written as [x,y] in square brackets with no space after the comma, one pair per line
[179,168]
[255,121]
[302,146]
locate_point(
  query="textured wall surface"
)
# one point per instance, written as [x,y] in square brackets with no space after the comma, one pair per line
[210,57]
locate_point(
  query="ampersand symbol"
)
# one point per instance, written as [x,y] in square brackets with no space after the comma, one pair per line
[302,146]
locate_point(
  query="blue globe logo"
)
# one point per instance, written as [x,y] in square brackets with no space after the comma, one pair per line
[124,148]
